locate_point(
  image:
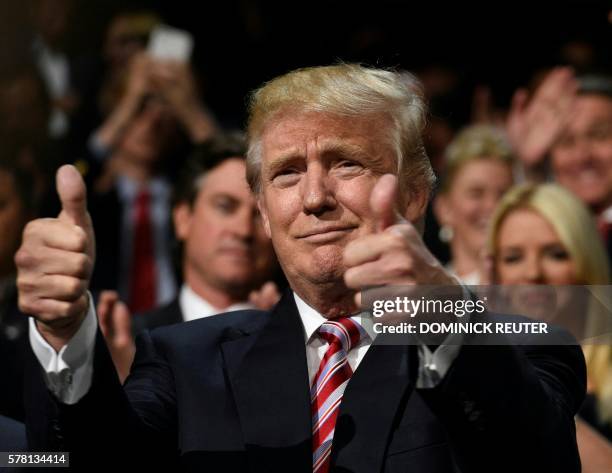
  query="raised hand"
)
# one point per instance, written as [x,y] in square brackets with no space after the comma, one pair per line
[265,297]
[55,262]
[534,125]
[395,254]
[175,83]
[116,325]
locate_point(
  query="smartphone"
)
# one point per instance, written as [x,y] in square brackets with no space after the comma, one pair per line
[167,43]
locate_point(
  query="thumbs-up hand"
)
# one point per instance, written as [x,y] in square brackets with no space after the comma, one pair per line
[55,262]
[395,253]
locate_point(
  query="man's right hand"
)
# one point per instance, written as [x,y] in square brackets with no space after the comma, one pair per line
[55,262]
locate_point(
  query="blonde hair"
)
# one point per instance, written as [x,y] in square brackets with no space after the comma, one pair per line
[577,231]
[475,143]
[347,90]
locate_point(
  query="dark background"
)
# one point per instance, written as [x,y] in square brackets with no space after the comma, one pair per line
[241,43]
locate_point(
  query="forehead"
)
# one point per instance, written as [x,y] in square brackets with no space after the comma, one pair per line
[296,132]
[229,177]
[591,109]
[486,168]
[526,225]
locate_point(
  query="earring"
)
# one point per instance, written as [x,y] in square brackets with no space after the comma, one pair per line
[446,233]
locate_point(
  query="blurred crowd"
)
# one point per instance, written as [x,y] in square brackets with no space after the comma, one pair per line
[524,193]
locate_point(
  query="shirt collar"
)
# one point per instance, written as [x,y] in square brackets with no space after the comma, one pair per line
[195,307]
[128,188]
[312,320]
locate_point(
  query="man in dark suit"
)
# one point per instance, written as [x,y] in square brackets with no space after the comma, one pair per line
[341,179]
[225,253]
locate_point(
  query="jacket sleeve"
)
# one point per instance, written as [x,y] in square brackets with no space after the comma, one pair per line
[511,408]
[111,425]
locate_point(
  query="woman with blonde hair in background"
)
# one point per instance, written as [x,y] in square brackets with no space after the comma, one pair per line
[478,171]
[542,234]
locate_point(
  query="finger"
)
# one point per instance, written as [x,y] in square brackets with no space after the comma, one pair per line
[269,290]
[122,324]
[371,247]
[56,313]
[54,233]
[383,201]
[73,196]
[377,273]
[270,294]
[106,301]
[67,263]
[55,286]
[554,84]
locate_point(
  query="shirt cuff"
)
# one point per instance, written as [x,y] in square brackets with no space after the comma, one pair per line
[68,372]
[433,366]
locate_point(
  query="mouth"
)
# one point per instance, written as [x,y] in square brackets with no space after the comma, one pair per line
[326,234]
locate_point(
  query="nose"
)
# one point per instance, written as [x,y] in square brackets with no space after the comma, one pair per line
[533,270]
[582,149]
[318,196]
[489,203]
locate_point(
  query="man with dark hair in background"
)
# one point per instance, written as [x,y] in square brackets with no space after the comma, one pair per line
[225,256]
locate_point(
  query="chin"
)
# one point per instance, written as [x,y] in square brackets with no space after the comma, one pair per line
[326,266]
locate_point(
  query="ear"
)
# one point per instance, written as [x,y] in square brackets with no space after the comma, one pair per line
[416,206]
[442,209]
[261,205]
[182,215]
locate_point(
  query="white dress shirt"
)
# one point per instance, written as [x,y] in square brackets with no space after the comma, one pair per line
[68,373]
[194,307]
[432,366]
[55,72]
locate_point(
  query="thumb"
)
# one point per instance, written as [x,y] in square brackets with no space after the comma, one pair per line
[73,195]
[106,303]
[383,200]
[122,324]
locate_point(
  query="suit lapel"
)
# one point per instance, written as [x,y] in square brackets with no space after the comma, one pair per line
[269,379]
[375,394]
[173,313]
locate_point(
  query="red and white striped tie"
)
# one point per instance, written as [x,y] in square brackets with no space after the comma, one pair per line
[329,385]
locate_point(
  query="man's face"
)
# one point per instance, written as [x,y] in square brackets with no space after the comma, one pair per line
[149,134]
[582,158]
[224,242]
[318,171]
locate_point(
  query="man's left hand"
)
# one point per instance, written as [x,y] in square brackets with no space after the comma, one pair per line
[395,254]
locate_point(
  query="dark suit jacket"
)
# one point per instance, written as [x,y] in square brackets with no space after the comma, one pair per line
[13,353]
[231,394]
[168,314]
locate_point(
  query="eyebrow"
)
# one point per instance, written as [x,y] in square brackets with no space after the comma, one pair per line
[344,149]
